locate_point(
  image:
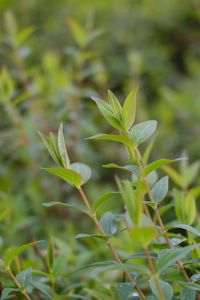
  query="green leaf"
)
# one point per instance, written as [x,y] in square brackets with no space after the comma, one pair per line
[50,148]
[130,168]
[190,285]
[103,199]
[79,34]
[142,131]
[111,137]
[83,170]
[116,107]
[70,176]
[43,288]
[62,148]
[25,279]
[108,223]
[160,189]
[165,286]
[133,200]
[142,235]
[106,111]
[97,236]
[76,206]
[129,109]
[54,145]
[188,228]
[6,293]
[188,294]
[172,256]
[159,163]
[124,290]
[11,253]
[113,265]
[50,252]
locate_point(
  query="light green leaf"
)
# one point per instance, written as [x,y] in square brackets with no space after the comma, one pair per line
[11,253]
[70,176]
[48,145]
[106,111]
[108,223]
[76,206]
[142,235]
[111,137]
[79,34]
[116,107]
[103,199]
[165,286]
[172,256]
[130,168]
[96,236]
[83,170]
[159,163]
[62,148]
[6,293]
[142,131]
[129,109]
[133,200]
[113,265]
[160,189]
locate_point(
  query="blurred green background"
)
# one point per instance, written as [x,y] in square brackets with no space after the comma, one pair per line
[55,55]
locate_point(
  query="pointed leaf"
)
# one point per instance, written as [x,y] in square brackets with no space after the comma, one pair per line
[76,206]
[14,252]
[130,168]
[129,109]
[116,107]
[103,199]
[110,137]
[62,148]
[188,294]
[188,228]
[159,163]
[142,131]
[70,176]
[106,111]
[172,256]
[97,236]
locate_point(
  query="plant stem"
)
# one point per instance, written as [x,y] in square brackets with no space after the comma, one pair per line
[109,243]
[18,285]
[155,274]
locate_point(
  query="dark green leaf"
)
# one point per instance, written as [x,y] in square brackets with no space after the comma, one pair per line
[108,223]
[165,286]
[160,189]
[188,228]
[111,137]
[172,256]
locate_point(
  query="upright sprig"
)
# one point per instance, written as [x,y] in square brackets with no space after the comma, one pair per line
[77,174]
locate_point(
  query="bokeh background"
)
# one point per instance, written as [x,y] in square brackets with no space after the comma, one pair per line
[55,55]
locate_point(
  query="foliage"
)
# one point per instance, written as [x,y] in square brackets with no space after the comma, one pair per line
[137,232]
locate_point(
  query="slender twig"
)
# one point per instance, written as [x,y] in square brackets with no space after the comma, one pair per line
[109,243]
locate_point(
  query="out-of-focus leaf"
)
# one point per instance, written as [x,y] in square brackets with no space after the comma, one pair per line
[110,137]
[165,286]
[77,206]
[108,222]
[158,164]
[188,294]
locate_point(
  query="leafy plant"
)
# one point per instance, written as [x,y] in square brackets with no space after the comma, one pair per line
[144,204]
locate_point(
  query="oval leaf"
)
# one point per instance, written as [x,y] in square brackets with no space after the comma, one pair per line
[142,131]
[83,170]
[160,189]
